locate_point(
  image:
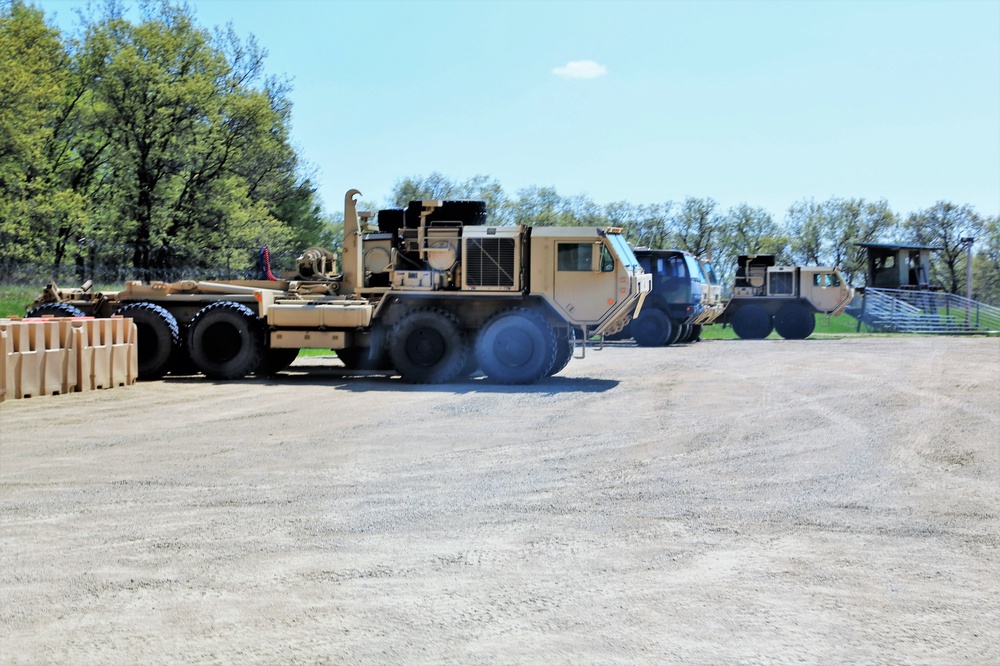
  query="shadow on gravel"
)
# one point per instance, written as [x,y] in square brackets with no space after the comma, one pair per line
[365,381]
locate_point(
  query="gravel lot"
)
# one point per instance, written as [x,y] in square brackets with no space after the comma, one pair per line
[727,502]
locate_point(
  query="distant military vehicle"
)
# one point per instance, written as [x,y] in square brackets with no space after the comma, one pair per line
[785,299]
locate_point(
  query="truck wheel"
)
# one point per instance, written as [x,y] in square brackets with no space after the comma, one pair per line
[56,310]
[676,333]
[516,346]
[794,321]
[276,360]
[652,328]
[752,322]
[226,340]
[427,346]
[565,344]
[694,333]
[158,335]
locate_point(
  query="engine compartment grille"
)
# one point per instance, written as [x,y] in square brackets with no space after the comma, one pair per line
[489,262]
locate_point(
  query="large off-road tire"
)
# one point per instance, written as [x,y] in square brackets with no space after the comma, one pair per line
[276,360]
[565,344]
[693,333]
[516,346]
[752,322]
[158,336]
[652,328]
[226,340]
[56,310]
[794,321]
[428,346]
[675,333]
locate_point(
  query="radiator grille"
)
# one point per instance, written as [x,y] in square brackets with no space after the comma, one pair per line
[782,284]
[489,262]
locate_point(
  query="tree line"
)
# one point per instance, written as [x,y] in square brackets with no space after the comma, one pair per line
[158,149]
[810,233]
[153,144]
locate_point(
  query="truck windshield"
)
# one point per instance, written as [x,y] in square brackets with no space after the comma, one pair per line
[709,272]
[624,252]
[694,268]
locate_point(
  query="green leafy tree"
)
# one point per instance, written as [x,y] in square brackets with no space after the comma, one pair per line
[34,206]
[697,226]
[944,225]
[827,233]
[986,263]
[189,141]
[805,224]
[540,206]
[749,230]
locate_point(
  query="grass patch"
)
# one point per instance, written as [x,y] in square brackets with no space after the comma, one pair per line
[14,300]
[316,352]
[842,325]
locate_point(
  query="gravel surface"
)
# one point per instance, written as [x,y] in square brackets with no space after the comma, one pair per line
[727,502]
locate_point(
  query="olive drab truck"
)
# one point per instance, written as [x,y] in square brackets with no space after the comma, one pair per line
[682,299]
[429,292]
[785,299]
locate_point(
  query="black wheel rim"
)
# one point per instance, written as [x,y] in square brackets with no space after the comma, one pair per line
[425,347]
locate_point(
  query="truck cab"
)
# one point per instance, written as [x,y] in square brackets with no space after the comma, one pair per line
[676,302]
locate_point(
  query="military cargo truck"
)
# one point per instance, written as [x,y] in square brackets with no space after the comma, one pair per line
[679,298]
[785,299]
[430,292]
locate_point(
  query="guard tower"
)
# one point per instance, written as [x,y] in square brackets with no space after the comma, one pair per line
[897,266]
[899,298]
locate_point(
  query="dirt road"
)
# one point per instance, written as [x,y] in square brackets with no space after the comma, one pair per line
[821,501]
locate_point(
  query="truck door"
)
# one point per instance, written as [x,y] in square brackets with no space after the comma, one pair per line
[584,284]
[826,291]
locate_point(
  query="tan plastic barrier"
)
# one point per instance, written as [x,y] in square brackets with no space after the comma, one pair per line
[49,356]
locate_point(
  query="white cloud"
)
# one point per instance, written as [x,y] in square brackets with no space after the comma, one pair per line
[580,69]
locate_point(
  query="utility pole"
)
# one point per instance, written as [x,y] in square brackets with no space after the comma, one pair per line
[967,243]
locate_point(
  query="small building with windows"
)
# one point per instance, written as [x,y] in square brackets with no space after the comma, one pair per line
[898,266]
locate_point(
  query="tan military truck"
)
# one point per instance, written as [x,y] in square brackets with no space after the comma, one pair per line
[785,299]
[431,292]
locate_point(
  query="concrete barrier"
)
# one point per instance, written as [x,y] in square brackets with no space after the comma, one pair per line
[51,356]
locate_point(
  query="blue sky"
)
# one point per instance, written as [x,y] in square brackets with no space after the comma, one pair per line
[766,103]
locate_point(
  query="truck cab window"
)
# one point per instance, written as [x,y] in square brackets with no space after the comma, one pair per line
[575,256]
[826,280]
[580,257]
[607,260]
